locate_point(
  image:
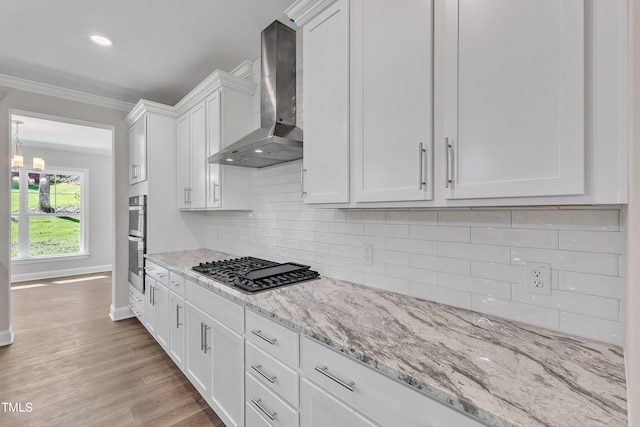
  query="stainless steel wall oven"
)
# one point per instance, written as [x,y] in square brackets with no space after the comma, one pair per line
[137,240]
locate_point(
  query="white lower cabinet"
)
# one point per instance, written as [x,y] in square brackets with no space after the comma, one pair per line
[198,352]
[176,306]
[386,401]
[227,391]
[256,372]
[321,409]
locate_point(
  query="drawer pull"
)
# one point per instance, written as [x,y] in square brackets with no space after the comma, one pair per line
[271,341]
[271,415]
[265,376]
[324,371]
[149,268]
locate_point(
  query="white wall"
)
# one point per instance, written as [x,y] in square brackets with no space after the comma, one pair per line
[632,344]
[100,214]
[49,105]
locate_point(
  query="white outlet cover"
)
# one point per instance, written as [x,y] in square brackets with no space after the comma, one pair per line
[538,278]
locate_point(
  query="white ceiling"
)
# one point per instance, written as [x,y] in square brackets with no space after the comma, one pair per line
[162,50]
[53,134]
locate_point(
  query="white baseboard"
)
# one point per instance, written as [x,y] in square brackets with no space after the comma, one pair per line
[120,313]
[6,337]
[60,273]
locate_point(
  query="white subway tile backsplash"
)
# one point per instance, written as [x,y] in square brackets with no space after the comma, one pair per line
[470,258]
[592,241]
[412,217]
[585,262]
[516,311]
[591,284]
[501,272]
[475,285]
[475,252]
[567,219]
[442,234]
[603,308]
[473,218]
[386,230]
[412,274]
[390,257]
[435,263]
[387,283]
[441,295]
[587,326]
[541,239]
[424,247]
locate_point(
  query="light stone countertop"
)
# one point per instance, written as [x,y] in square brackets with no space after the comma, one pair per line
[503,372]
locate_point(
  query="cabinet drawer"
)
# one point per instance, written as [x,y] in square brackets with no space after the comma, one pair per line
[268,405]
[276,339]
[158,273]
[384,400]
[136,296]
[253,419]
[176,283]
[219,307]
[272,373]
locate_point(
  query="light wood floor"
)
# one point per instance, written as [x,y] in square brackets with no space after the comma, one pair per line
[78,368]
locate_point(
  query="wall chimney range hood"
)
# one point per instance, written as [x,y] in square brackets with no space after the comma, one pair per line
[278,139]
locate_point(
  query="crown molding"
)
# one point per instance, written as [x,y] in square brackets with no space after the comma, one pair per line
[244,71]
[146,106]
[60,92]
[216,80]
[302,11]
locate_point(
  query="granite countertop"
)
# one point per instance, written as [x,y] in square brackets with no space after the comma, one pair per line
[505,373]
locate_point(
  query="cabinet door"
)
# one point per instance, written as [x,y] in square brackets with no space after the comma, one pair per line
[141,171]
[227,389]
[151,311]
[325,174]
[513,98]
[163,331]
[183,166]
[199,356]
[214,144]
[133,152]
[320,409]
[197,123]
[176,306]
[392,111]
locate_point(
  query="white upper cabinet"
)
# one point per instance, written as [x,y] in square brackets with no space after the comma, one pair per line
[464,102]
[325,164]
[229,114]
[138,151]
[220,111]
[392,108]
[514,92]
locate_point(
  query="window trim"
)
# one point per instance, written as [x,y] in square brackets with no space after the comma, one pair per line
[84,215]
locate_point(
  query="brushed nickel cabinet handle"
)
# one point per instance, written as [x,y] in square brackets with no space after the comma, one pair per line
[271,415]
[214,192]
[258,333]
[201,336]
[421,153]
[178,324]
[449,148]
[303,172]
[324,371]
[206,345]
[258,369]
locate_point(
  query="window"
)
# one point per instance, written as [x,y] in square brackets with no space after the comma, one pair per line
[47,213]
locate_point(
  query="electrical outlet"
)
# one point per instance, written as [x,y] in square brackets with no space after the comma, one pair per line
[538,278]
[367,253]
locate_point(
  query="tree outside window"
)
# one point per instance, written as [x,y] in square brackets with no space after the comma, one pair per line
[47,217]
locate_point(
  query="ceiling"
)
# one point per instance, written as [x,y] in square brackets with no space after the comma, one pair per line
[162,48]
[55,134]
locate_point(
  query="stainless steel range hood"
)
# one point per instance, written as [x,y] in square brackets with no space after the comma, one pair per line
[278,139]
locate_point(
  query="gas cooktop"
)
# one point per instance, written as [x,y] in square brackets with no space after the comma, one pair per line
[251,275]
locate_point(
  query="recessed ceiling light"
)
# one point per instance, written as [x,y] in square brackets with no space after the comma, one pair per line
[258,150]
[229,160]
[101,40]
